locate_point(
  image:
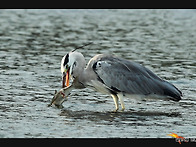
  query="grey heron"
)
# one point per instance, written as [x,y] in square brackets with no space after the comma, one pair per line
[115,76]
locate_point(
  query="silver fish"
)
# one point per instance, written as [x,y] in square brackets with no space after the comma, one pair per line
[60,97]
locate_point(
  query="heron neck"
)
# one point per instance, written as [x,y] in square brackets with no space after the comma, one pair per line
[86,77]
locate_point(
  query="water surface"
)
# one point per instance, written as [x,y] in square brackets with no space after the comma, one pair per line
[32,43]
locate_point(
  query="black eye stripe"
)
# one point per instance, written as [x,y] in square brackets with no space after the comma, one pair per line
[66,60]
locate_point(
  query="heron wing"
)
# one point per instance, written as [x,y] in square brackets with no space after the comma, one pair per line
[129,77]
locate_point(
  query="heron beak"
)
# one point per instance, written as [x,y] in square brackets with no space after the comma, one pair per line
[66,78]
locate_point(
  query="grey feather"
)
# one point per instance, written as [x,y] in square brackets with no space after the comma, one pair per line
[131,78]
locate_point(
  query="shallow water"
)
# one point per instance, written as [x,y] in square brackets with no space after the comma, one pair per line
[32,43]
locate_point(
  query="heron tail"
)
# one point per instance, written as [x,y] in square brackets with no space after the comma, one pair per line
[173,92]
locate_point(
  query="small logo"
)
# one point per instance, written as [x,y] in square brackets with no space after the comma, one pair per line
[178,138]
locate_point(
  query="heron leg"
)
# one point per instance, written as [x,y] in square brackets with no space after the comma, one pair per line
[120,96]
[115,98]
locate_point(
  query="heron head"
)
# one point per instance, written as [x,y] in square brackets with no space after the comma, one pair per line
[72,65]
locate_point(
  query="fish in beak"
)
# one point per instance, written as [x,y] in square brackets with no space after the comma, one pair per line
[66,77]
[58,99]
[61,96]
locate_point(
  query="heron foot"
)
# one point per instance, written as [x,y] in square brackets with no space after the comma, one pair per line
[115,111]
[122,109]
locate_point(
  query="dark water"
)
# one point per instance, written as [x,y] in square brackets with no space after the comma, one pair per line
[32,43]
